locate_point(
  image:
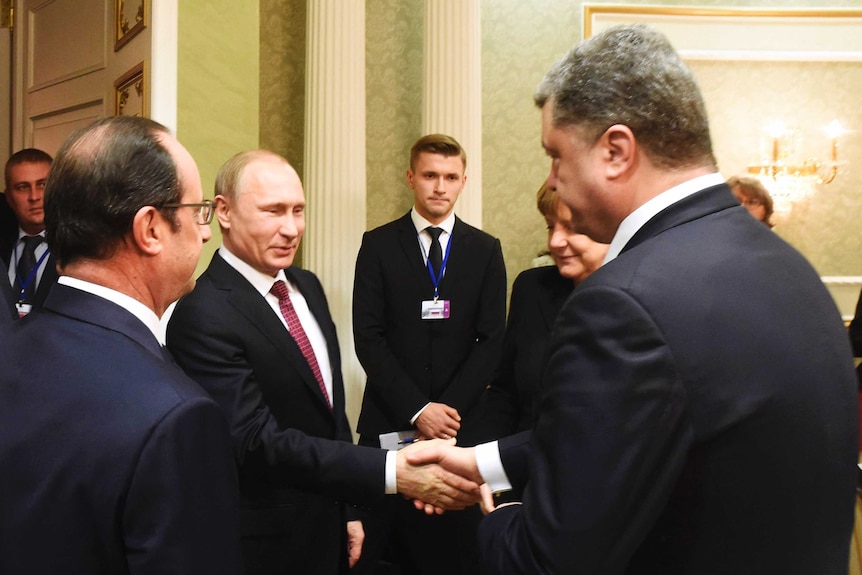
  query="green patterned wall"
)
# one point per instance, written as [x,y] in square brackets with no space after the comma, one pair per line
[393,62]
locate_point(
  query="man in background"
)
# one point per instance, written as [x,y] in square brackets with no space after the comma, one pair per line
[699,408]
[114,461]
[429,311]
[257,334]
[31,267]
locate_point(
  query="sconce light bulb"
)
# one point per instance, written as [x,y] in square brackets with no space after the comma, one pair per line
[776,129]
[834,129]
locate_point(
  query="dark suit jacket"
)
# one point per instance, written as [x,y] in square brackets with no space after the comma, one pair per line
[410,361]
[114,461]
[7,303]
[507,405]
[698,414]
[228,339]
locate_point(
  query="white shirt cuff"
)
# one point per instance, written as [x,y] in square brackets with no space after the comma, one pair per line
[418,413]
[391,479]
[491,467]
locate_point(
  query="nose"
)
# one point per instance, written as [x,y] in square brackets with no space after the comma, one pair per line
[289,227]
[556,237]
[439,184]
[206,233]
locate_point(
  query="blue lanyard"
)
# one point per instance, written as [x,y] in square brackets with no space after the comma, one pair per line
[435,279]
[31,276]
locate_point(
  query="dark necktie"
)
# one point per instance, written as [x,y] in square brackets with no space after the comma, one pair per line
[26,265]
[279,290]
[435,253]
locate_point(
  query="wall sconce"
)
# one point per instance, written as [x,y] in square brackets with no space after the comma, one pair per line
[788,179]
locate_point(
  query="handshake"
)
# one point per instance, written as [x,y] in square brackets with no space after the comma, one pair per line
[438,477]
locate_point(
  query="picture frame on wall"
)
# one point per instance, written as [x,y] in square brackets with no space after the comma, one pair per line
[130,93]
[130,18]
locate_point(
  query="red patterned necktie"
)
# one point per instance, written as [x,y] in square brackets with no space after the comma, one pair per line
[279,290]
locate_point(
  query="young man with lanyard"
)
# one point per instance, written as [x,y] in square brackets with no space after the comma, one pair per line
[429,306]
[31,268]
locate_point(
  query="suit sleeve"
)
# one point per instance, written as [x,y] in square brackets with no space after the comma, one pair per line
[393,384]
[609,444]
[473,376]
[208,348]
[856,329]
[181,513]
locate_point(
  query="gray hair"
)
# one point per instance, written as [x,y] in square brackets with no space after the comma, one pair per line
[631,75]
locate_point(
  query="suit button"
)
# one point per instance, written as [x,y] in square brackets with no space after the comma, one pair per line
[427,367]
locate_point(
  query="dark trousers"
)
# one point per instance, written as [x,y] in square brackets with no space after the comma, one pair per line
[400,540]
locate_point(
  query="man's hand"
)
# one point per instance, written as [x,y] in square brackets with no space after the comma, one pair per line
[457,460]
[436,487]
[438,420]
[355,539]
[487,503]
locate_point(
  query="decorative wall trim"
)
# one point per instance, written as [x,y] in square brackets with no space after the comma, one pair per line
[335,167]
[130,93]
[129,19]
[452,88]
[766,34]
[845,291]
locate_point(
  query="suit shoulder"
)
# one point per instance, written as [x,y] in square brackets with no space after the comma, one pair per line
[389,229]
[474,234]
[535,278]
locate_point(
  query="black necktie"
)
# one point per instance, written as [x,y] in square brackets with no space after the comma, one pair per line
[435,254]
[26,265]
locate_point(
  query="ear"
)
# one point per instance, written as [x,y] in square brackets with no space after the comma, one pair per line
[222,211]
[410,177]
[619,150]
[148,227]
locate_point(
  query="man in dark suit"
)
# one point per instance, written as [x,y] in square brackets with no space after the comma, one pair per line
[428,322]
[698,411]
[256,333]
[114,460]
[31,267]
[7,307]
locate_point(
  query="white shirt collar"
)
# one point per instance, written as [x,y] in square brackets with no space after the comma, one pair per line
[421,223]
[260,281]
[638,218]
[147,316]
[23,234]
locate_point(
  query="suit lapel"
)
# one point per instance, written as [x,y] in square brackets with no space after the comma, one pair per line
[49,278]
[318,308]
[410,248]
[249,303]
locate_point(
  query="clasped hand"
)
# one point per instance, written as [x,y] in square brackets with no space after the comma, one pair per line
[440,477]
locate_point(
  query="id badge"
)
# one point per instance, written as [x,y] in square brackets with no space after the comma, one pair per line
[23,308]
[435,309]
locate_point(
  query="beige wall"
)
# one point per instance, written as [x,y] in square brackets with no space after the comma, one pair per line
[217,87]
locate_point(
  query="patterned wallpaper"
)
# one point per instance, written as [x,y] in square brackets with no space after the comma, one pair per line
[393,56]
[520,40]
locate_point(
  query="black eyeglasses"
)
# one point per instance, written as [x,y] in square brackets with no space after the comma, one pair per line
[204,214]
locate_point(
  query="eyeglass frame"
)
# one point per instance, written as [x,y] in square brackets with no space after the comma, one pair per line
[204,214]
